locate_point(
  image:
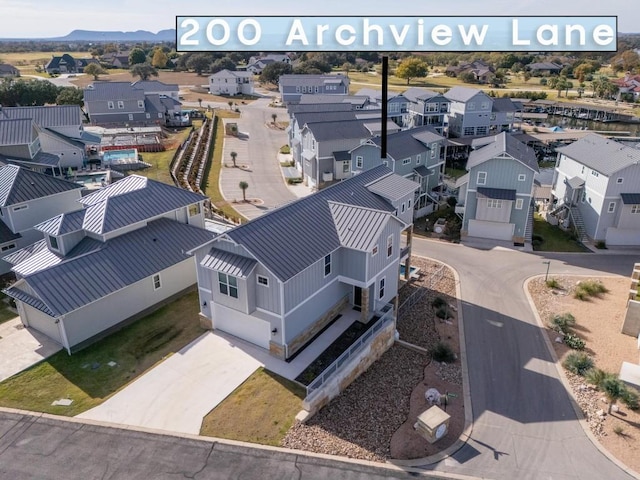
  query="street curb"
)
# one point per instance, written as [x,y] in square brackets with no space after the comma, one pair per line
[565,382]
[308,456]
[466,393]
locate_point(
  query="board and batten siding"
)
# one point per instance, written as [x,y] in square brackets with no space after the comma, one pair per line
[92,319]
[306,283]
[313,308]
[69,154]
[352,263]
[41,209]
[40,321]
[503,173]
[380,261]
[267,297]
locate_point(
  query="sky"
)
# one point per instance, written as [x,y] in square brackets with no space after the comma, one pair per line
[55,18]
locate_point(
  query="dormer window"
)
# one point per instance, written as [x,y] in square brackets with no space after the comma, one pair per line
[53,241]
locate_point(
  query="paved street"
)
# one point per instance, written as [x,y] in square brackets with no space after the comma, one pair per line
[257,157]
[524,423]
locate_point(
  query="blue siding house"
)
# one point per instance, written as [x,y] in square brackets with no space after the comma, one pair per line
[278,280]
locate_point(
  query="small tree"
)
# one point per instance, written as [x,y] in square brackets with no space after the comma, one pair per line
[200,102]
[230,103]
[412,67]
[274,116]
[94,70]
[613,389]
[159,59]
[144,71]
[244,185]
[233,158]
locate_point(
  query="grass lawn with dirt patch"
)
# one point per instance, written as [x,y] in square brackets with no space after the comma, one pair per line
[261,410]
[554,238]
[85,376]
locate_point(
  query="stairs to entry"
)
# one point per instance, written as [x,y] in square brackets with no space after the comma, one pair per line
[578,223]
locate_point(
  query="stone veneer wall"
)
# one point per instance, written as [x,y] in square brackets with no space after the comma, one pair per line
[355,367]
[298,342]
[631,324]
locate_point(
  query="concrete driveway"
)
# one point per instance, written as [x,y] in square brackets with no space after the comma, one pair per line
[22,347]
[179,392]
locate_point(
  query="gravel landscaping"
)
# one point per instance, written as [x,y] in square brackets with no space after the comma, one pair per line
[373,418]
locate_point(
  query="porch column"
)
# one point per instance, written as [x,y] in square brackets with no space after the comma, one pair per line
[407,262]
[364,310]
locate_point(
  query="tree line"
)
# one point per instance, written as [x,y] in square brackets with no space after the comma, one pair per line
[22,93]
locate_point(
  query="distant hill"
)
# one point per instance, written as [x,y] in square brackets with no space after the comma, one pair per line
[168,35]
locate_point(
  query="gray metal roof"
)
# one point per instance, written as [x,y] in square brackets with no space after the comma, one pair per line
[293,237]
[463,94]
[496,193]
[131,200]
[18,185]
[339,130]
[63,223]
[17,132]
[630,198]
[504,105]
[317,117]
[29,299]
[338,106]
[114,265]
[48,116]
[229,263]
[406,143]
[416,94]
[393,187]
[602,154]
[154,86]
[545,176]
[352,100]
[575,182]
[342,155]
[504,143]
[24,253]
[105,91]
[358,228]
[422,171]
[306,80]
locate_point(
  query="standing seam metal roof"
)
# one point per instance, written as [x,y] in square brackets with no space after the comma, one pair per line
[18,185]
[114,265]
[393,187]
[602,154]
[20,131]
[291,238]
[497,193]
[47,116]
[630,198]
[229,263]
[358,228]
[504,143]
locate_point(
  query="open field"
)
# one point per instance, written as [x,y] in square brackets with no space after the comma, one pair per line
[22,60]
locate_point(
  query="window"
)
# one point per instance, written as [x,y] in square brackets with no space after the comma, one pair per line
[385,163]
[481,130]
[159,115]
[482,178]
[519,203]
[635,208]
[619,180]
[390,246]
[148,115]
[522,177]
[262,280]
[110,105]
[584,196]
[432,107]
[403,207]
[53,241]
[406,161]
[327,265]
[20,207]
[471,106]
[409,204]
[381,289]
[345,167]
[228,285]
[131,116]
[612,207]
[156,281]
[11,246]
[140,103]
[374,251]
[485,105]
[469,131]
[434,149]
[494,203]
[418,159]
[120,104]
[194,209]
[594,173]
[359,161]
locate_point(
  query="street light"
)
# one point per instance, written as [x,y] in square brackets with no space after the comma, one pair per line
[548,264]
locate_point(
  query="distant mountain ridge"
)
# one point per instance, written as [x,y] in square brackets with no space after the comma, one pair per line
[168,35]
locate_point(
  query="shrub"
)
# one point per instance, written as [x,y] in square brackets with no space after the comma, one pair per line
[618,430]
[442,313]
[589,288]
[578,363]
[563,323]
[294,181]
[573,341]
[452,201]
[596,376]
[442,352]
[537,237]
[285,149]
[600,244]
[438,302]
[581,294]
[630,398]
[553,283]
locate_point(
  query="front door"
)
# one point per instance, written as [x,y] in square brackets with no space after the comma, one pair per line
[357,298]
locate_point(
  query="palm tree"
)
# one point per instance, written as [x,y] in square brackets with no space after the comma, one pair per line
[200,102]
[233,158]
[613,389]
[273,117]
[230,103]
[244,185]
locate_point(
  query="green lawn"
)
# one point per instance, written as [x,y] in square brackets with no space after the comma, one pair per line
[85,376]
[6,314]
[261,410]
[554,238]
[455,172]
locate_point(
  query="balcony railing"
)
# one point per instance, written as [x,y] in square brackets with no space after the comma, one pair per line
[386,315]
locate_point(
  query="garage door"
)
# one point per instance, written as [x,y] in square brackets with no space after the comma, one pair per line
[243,326]
[41,322]
[492,230]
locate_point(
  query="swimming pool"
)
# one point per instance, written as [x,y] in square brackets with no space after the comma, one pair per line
[120,157]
